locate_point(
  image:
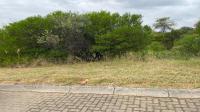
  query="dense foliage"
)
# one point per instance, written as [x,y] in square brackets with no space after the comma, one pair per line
[190,44]
[90,37]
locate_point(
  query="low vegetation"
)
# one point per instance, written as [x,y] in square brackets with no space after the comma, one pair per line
[127,72]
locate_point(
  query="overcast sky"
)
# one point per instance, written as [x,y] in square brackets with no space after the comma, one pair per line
[183,12]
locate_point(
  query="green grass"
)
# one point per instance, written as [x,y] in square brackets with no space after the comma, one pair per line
[161,73]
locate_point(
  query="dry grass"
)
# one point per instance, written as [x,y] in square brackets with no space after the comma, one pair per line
[120,72]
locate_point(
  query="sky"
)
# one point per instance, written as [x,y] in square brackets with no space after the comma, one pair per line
[183,12]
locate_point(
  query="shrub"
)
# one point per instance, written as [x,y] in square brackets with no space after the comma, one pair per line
[190,44]
[198,27]
[56,55]
[169,39]
[122,40]
[156,46]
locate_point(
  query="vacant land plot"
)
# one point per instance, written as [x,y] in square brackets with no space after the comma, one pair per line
[122,72]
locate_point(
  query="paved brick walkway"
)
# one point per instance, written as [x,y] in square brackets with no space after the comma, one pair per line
[60,102]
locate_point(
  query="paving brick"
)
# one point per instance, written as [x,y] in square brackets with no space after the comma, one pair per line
[76,102]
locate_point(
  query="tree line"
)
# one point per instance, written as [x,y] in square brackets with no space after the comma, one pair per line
[92,36]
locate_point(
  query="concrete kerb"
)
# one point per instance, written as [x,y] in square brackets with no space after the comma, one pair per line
[92,89]
[35,88]
[154,92]
[184,93]
[151,92]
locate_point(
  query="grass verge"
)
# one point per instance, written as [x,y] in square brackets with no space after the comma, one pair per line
[161,73]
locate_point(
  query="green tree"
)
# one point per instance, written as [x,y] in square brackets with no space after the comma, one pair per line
[26,32]
[190,44]
[71,30]
[122,40]
[170,38]
[186,30]
[131,20]
[198,27]
[102,22]
[164,24]
[108,29]
[48,40]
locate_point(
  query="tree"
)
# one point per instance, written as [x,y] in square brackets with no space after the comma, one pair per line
[164,24]
[2,42]
[186,30]
[71,30]
[170,37]
[122,40]
[190,45]
[198,27]
[102,22]
[24,33]
[130,20]
[109,30]
[48,40]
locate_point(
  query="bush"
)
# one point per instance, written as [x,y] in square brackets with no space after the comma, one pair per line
[14,61]
[122,40]
[198,27]
[56,56]
[170,38]
[190,44]
[172,54]
[156,46]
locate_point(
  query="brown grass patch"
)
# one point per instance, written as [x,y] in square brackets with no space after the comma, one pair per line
[164,73]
